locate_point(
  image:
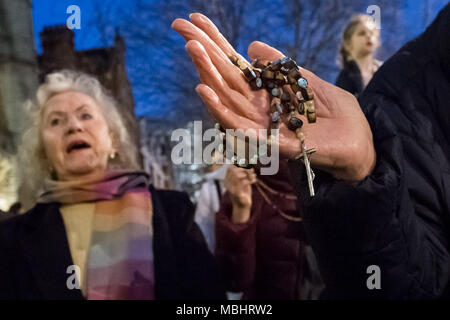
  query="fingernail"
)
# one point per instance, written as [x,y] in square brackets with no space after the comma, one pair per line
[190,16]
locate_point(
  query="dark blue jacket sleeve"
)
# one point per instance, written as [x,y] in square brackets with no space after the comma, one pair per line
[388,220]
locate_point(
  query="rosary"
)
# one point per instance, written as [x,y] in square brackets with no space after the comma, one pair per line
[273,76]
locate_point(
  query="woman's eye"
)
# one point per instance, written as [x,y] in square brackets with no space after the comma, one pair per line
[54,122]
[86,116]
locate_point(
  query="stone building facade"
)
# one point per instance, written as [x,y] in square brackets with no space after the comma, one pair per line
[18,82]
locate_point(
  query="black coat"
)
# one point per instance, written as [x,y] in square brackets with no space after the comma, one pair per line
[398,218]
[350,79]
[34,254]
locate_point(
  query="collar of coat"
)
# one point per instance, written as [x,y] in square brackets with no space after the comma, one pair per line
[49,263]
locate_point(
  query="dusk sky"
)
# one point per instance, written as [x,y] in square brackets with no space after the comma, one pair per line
[47,12]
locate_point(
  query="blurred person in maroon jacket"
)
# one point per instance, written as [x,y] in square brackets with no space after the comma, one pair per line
[260,243]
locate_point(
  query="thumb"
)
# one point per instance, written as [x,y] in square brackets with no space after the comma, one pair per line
[263,52]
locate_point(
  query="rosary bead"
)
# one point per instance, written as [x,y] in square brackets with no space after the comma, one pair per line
[234,60]
[284,60]
[311,116]
[278,108]
[302,82]
[299,96]
[267,74]
[276,65]
[307,93]
[241,64]
[258,83]
[249,74]
[276,125]
[284,70]
[275,92]
[301,108]
[270,85]
[295,123]
[285,97]
[295,87]
[294,74]
[291,80]
[310,111]
[279,78]
[290,64]
[275,116]
[309,106]
[291,107]
[300,135]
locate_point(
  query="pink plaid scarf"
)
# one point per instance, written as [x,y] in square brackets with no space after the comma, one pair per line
[120,258]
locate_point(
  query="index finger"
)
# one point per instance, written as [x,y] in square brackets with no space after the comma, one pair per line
[205,24]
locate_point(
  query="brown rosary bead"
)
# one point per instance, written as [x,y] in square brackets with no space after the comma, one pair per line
[294,123]
[294,75]
[241,64]
[307,93]
[270,85]
[301,108]
[234,60]
[285,97]
[289,64]
[300,135]
[310,111]
[295,87]
[275,105]
[275,92]
[249,74]
[309,106]
[279,78]
[276,65]
[267,74]
[311,116]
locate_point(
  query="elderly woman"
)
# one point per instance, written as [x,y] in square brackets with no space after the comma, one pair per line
[98,230]
[360,40]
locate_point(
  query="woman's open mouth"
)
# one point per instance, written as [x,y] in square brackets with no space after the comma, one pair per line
[77,146]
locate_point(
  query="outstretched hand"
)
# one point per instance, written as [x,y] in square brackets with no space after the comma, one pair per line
[341,135]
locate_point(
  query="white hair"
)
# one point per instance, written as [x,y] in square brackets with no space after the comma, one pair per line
[33,162]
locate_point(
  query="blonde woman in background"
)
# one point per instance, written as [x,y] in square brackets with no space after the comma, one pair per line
[360,40]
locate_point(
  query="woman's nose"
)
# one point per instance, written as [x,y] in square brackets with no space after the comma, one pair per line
[73,126]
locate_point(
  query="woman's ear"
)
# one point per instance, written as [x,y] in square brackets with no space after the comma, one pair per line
[348,46]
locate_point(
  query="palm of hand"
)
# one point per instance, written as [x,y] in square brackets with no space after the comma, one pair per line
[341,135]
